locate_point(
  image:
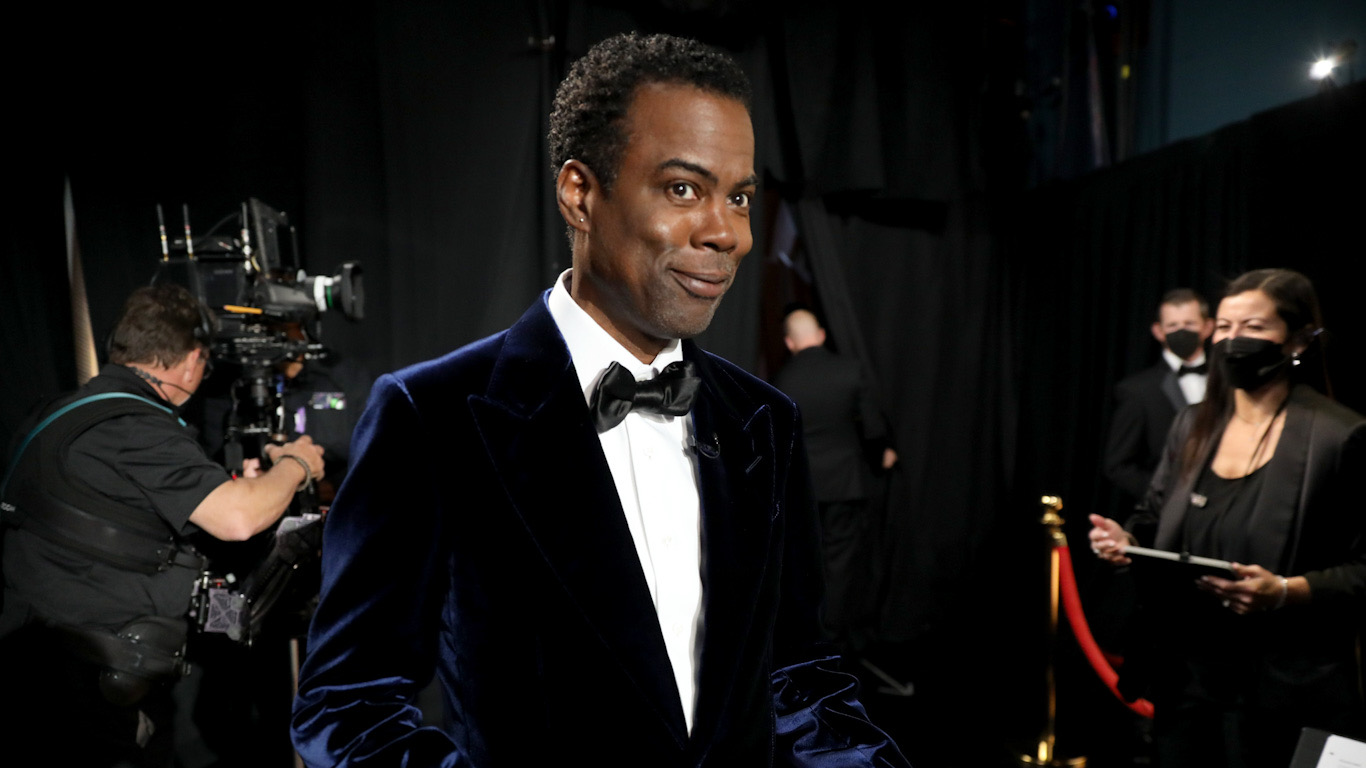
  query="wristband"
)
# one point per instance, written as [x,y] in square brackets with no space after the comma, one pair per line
[308,473]
[1285,592]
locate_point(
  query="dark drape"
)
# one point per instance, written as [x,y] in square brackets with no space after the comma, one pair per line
[35,322]
[901,157]
[466,183]
[135,108]
[895,215]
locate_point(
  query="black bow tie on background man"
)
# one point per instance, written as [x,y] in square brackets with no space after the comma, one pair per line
[618,393]
[1201,369]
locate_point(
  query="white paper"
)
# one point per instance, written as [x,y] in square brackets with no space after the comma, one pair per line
[1340,752]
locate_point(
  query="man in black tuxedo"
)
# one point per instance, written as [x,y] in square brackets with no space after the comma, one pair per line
[599,569]
[841,425]
[1149,400]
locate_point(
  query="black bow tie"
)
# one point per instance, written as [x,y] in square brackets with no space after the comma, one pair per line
[618,393]
[1201,369]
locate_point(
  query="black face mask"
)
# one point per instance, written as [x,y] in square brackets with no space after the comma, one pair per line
[1250,363]
[1183,342]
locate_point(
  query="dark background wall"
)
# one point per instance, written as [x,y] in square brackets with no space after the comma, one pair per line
[929,175]
[1226,60]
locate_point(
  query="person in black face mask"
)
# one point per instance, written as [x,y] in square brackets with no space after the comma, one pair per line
[1266,473]
[1147,402]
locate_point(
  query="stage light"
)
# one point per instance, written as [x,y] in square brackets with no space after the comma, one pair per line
[1336,63]
[1323,68]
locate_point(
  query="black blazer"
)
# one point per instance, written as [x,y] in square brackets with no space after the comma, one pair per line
[1145,405]
[1297,665]
[479,535]
[1308,520]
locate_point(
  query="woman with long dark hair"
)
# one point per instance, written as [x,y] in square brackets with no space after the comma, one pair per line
[1270,474]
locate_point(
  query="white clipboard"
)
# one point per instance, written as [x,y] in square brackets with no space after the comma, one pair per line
[1184,562]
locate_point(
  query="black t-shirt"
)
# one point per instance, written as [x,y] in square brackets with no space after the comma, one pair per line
[1218,525]
[147,460]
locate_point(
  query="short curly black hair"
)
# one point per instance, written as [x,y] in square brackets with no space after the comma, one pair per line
[591,102]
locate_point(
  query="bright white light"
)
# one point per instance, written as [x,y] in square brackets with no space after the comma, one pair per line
[1323,68]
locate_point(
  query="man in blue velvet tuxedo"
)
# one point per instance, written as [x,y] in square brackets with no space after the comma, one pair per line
[604,542]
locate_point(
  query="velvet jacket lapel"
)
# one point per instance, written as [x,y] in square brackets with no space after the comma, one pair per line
[737,477]
[536,428]
[537,431]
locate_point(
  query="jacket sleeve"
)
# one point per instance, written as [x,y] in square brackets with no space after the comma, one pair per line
[1124,446]
[1341,522]
[819,719]
[372,644]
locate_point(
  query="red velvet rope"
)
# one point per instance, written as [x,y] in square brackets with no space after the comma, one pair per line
[1082,632]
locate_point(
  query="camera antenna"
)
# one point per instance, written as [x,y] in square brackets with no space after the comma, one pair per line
[161,226]
[189,240]
[246,243]
[191,265]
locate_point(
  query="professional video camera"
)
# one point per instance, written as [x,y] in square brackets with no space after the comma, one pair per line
[269,311]
[247,269]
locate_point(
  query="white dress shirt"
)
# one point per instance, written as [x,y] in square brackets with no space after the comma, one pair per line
[656,479]
[1192,384]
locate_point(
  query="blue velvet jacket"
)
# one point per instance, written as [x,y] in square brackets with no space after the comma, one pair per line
[479,536]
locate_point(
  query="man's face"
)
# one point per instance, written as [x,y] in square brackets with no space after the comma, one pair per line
[662,248]
[1185,316]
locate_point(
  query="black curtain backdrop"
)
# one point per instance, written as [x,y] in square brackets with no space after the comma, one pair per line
[135,108]
[410,136]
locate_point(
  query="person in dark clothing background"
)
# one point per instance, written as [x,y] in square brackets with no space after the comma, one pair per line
[841,425]
[1147,402]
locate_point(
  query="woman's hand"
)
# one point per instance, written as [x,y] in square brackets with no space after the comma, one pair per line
[1108,540]
[1256,589]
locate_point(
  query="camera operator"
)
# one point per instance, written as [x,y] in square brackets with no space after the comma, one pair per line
[102,500]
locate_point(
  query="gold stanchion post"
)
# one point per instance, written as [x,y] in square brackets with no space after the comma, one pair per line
[1045,753]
